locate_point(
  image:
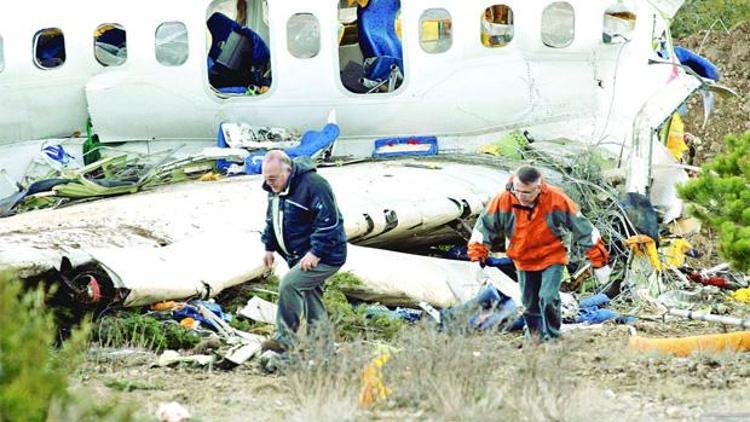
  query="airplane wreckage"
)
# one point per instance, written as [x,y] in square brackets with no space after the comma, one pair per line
[413,93]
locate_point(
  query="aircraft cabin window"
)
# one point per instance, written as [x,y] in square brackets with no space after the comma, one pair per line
[619,22]
[110,46]
[303,35]
[171,43]
[49,48]
[558,25]
[496,26]
[2,56]
[370,49]
[239,57]
[435,31]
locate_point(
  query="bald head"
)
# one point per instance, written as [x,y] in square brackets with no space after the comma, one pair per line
[276,169]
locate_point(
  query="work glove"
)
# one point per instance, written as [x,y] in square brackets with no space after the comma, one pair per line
[478,252]
[602,273]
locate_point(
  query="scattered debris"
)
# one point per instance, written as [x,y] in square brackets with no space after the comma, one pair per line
[684,346]
[259,310]
[172,357]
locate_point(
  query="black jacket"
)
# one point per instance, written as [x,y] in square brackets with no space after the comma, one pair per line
[311,220]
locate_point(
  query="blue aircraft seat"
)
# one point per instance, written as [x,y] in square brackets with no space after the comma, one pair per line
[50,50]
[113,36]
[238,57]
[380,45]
[698,63]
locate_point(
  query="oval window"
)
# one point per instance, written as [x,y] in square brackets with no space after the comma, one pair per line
[435,31]
[558,25]
[496,26]
[171,43]
[303,36]
[49,48]
[110,44]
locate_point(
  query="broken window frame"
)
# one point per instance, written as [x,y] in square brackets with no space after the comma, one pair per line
[121,59]
[626,19]
[36,45]
[485,26]
[348,37]
[569,32]
[176,40]
[291,36]
[444,31]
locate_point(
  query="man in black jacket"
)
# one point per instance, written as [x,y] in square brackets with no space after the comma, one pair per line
[305,227]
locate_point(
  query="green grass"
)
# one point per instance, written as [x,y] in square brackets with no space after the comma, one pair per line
[133,329]
[698,15]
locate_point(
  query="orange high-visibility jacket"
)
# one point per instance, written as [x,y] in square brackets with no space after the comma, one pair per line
[535,232]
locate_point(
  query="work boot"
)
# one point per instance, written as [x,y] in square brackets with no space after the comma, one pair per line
[272,345]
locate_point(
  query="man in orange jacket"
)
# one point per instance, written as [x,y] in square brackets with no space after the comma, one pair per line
[531,214]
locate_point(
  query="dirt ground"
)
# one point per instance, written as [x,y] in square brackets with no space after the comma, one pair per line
[730,51]
[591,373]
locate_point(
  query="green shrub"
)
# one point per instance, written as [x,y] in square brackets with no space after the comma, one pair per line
[720,196]
[352,322]
[33,374]
[129,328]
[697,15]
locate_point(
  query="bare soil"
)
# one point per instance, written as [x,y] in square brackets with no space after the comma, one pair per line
[590,374]
[730,51]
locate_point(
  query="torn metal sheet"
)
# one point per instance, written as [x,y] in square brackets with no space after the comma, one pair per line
[259,310]
[650,166]
[409,279]
[241,353]
[382,203]
[199,267]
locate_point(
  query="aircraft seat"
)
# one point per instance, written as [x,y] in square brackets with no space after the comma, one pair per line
[698,63]
[380,45]
[238,57]
[50,50]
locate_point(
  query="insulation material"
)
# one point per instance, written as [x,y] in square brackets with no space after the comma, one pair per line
[735,342]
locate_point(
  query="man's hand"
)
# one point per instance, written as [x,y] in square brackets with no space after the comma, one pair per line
[308,262]
[268,259]
[602,273]
[478,252]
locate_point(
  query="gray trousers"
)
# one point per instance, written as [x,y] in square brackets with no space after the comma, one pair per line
[540,294]
[300,292]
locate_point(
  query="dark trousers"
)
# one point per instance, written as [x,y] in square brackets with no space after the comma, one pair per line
[300,292]
[540,294]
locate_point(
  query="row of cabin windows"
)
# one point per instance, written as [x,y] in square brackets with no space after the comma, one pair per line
[303,35]
[110,46]
[496,29]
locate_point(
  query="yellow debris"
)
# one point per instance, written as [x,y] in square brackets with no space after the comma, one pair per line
[210,177]
[361,3]
[684,346]
[491,149]
[642,245]
[676,137]
[189,323]
[741,295]
[373,387]
[167,305]
[676,252]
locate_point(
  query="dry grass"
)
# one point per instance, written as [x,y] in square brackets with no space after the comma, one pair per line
[435,376]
